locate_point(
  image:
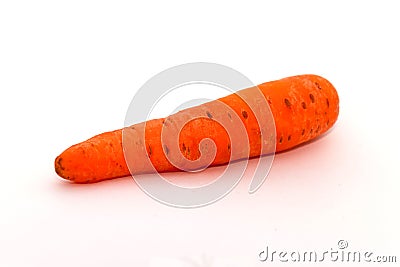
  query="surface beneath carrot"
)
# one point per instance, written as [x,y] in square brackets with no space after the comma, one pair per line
[303,107]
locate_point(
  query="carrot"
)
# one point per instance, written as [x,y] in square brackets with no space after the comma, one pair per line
[303,107]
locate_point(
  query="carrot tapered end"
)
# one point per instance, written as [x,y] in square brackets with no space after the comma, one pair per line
[96,159]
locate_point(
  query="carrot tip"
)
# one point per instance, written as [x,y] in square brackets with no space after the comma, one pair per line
[59,168]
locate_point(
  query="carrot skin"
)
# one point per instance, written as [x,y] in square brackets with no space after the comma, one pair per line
[303,107]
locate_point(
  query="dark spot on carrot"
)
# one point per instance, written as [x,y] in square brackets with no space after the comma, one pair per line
[280,140]
[229,115]
[244,114]
[289,137]
[91,144]
[132,127]
[188,150]
[150,151]
[303,132]
[287,103]
[311,130]
[183,147]
[327,122]
[303,104]
[111,145]
[269,101]
[318,86]
[209,115]
[166,150]
[317,129]
[312,98]
[327,102]
[229,146]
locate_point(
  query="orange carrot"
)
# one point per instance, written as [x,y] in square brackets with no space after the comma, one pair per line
[303,107]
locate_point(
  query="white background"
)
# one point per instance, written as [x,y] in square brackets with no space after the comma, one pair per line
[68,71]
